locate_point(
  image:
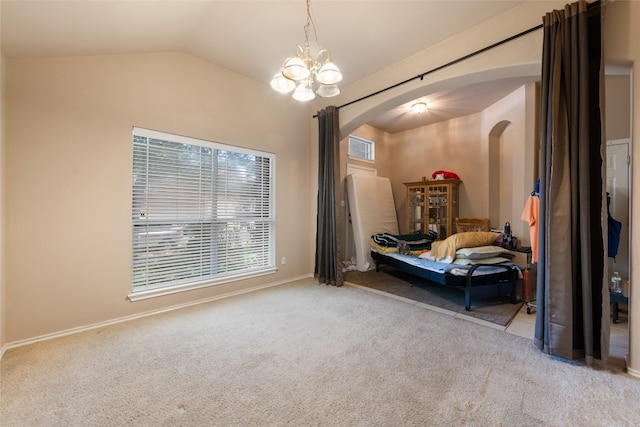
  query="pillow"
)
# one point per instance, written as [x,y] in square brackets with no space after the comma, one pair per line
[447,248]
[492,260]
[480,252]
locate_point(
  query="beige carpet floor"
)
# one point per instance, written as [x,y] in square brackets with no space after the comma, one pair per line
[305,354]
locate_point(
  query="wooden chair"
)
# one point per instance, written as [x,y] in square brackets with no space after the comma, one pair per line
[471,224]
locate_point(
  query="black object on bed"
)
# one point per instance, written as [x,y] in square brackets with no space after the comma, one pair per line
[498,279]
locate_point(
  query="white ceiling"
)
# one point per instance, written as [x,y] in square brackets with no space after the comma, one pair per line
[252,38]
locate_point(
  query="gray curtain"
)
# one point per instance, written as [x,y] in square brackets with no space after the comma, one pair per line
[329,219]
[572,306]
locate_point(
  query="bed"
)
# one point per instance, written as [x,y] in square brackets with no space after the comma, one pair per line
[475,270]
[376,240]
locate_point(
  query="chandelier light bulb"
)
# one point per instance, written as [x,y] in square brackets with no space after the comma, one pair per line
[282,84]
[303,92]
[329,74]
[295,69]
[327,91]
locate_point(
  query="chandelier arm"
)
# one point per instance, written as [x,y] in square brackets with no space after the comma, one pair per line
[319,56]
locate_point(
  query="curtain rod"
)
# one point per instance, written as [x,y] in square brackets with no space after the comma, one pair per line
[433,70]
[455,61]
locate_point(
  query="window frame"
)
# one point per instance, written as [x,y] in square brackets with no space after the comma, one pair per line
[144,217]
[370,155]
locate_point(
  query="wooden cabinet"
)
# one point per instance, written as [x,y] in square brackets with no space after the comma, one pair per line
[432,205]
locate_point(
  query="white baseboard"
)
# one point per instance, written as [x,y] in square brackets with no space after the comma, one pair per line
[632,372]
[46,337]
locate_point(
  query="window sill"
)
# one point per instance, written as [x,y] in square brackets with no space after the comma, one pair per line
[363,160]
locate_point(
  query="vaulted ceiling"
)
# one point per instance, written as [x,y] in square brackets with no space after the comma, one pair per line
[252,38]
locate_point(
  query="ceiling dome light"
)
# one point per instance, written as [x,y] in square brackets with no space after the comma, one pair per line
[419,107]
[304,69]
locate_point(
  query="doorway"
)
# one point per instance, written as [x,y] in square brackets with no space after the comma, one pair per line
[617,187]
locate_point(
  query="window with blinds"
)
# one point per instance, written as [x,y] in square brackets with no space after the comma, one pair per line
[203,212]
[360,148]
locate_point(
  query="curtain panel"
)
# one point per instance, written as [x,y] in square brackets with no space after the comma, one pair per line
[329,218]
[572,305]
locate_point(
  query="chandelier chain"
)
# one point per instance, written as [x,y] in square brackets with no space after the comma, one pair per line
[311,24]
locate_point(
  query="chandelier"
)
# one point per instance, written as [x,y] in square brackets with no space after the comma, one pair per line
[302,71]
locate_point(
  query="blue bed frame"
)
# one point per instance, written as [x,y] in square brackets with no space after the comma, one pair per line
[494,284]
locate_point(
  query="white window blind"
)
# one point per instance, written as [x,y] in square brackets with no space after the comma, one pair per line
[202,212]
[361,148]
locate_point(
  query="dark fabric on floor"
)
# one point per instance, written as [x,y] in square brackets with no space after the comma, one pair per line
[497,310]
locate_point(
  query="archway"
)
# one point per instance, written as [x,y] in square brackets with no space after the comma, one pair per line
[354,115]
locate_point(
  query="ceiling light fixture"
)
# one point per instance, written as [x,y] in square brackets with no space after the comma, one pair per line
[301,71]
[419,107]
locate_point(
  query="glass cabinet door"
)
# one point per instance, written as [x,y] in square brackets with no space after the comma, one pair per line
[432,206]
[453,208]
[438,210]
[416,209]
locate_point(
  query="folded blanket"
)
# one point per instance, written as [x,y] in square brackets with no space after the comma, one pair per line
[383,249]
[392,250]
[416,242]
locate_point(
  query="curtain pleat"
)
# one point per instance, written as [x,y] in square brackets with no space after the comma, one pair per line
[329,219]
[572,294]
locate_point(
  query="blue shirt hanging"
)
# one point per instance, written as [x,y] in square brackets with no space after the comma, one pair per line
[614,231]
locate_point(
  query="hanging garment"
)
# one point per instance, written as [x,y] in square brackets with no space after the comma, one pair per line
[614,231]
[530,214]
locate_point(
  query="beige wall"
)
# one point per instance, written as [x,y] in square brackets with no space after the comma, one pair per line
[452,145]
[3,299]
[383,164]
[511,124]
[68,177]
[618,106]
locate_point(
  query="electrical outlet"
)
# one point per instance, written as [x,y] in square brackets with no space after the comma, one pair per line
[283,261]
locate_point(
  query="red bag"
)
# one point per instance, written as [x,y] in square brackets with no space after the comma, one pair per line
[445,174]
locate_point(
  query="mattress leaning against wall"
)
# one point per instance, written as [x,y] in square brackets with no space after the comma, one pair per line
[372,211]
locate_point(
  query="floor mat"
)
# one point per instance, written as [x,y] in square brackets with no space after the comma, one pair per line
[497,310]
